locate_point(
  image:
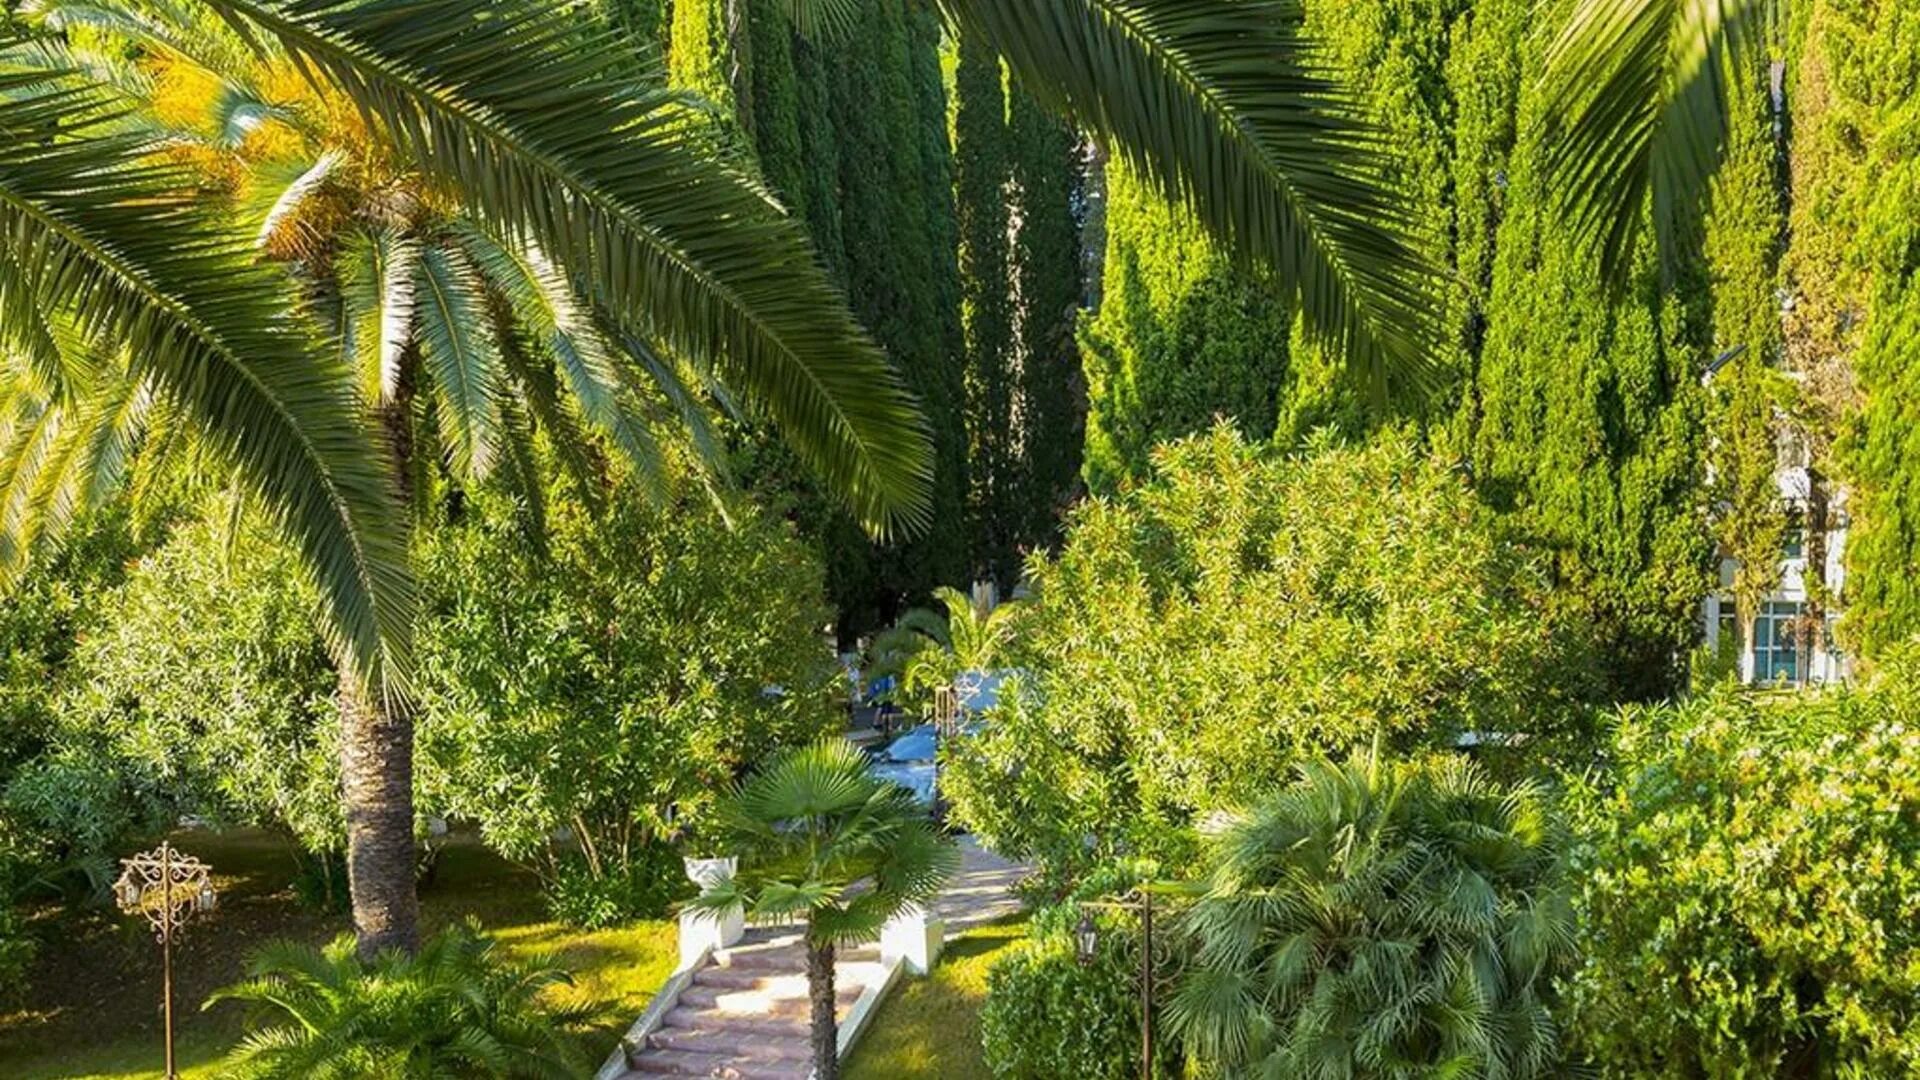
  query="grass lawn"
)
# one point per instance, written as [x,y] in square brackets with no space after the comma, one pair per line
[93,1006]
[931,1027]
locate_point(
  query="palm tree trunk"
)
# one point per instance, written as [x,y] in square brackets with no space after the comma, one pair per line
[826,1035]
[376,761]
[376,767]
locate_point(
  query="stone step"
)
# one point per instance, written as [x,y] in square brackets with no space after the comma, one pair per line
[728,1039]
[731,1002]
[787,957]
[694,1019]
[773,982]
[717,1066]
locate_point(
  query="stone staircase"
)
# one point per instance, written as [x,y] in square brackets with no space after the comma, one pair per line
[744,1016]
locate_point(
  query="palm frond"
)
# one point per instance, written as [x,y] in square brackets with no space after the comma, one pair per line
[1640,89]
[378,275]
[517,104]
[546,309]
[1224,106]
[97,230]
[458,349]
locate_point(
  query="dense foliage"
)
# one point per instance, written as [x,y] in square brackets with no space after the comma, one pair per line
[1242,611]
[583,703]
[1856,264]
[1379,919]
[1746,876]
[853,136]
[1578,409]
[1181,338]
[945,208]
[1048,1014]
[457,1008]
[64,810]
[208,684]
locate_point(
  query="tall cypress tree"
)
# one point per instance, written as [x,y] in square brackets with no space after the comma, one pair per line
[1591,428]
[1047,294]
[981,177]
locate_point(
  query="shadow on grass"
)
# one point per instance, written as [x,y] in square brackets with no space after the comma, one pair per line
[93,1002]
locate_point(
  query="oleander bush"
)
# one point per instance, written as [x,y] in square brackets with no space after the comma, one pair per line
[1748,887]
[1243,611]
[586,698]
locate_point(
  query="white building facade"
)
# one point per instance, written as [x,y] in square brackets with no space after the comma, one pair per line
[1786,647]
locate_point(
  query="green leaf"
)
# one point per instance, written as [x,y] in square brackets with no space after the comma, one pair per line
[458,349]
[96,230]
[1640,87]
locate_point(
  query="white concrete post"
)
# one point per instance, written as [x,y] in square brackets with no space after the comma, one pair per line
[704,931]
[915,938]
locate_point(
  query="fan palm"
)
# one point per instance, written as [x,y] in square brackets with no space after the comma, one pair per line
[1377,920]
[457,1008]
[824,840]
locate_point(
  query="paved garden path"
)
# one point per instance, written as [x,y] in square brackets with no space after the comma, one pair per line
[744,1016]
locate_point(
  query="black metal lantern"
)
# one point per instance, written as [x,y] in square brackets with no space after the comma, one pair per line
[1086,938]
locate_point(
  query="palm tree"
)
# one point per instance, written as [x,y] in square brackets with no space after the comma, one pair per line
[455,210]
[930,650]
[457,1008]
[822,839]
[1378,920]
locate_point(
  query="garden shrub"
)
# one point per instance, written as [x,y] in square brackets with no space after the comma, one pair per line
[1748,876]
[1245,610]
[1379,919]
[644,886]
[1048,1015]
[585,705]
[208,683]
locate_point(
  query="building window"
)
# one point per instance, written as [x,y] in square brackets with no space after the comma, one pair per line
[1776,644]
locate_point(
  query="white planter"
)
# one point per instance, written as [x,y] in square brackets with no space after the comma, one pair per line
[707,873]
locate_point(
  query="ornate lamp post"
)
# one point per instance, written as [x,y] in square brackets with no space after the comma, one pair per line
[1086,942]
[167,887]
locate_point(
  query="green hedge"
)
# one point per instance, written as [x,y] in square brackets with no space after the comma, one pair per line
[1049,1016]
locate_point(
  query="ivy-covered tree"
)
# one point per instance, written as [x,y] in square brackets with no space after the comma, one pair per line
[1854,265]
[1182,337]
[1589,425]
